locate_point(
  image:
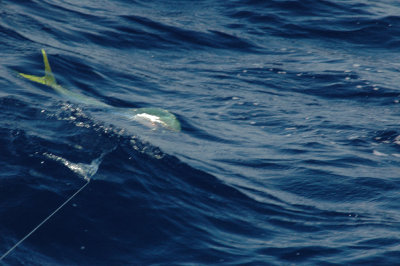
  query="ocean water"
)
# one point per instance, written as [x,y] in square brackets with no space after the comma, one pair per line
[289,150]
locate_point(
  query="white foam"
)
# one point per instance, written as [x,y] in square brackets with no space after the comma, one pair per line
[86,171]
[377,153]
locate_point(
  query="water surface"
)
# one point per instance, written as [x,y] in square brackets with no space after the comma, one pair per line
[289,150]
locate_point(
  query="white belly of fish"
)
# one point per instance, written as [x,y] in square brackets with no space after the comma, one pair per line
[148,119]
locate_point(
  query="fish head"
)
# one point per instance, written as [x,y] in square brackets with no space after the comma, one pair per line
[157,116]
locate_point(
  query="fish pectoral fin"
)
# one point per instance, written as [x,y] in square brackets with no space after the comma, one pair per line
[48,79]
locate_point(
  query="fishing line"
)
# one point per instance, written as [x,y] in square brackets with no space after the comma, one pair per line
[45,220]
[91,170]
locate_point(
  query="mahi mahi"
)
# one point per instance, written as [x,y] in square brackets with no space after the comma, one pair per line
[153,116]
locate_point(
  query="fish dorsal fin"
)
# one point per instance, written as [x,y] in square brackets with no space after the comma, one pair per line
[48,79]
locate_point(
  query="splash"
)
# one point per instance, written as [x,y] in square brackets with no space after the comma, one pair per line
[86,171]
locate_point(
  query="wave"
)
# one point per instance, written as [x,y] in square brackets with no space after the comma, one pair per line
[289,147]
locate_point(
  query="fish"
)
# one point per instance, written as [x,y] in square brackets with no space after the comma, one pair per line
[148,115]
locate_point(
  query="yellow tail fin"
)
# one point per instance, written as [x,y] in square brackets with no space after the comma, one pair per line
[48,79]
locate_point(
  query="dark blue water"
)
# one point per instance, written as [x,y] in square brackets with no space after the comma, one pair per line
[290,145]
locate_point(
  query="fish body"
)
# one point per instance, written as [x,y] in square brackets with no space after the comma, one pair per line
[148,115]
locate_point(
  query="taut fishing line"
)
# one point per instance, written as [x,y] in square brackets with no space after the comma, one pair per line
[87,171]
[45,220]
